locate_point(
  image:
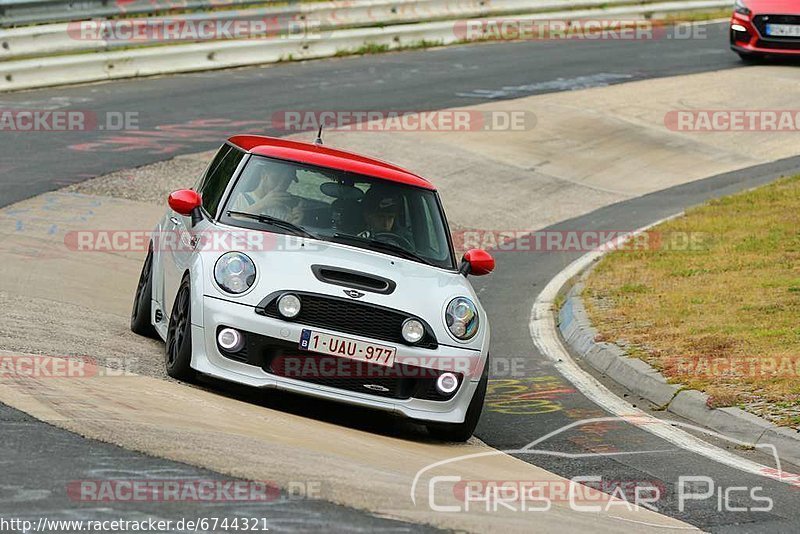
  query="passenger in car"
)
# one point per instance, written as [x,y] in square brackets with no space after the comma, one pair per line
[269,194]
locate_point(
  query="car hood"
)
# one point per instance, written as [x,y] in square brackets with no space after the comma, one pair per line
[286,264]
[765,7]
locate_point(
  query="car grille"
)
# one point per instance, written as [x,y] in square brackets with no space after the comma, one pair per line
[784,44]
[342,315]
[282,358]
[770,41]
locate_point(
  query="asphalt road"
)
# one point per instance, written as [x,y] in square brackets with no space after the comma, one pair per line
[189,113]
[553,403]
[40,461]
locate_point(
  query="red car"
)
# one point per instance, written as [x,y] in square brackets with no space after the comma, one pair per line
[761,27]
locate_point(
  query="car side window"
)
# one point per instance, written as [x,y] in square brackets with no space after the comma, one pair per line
[436,240]
[221,153]
[219,175]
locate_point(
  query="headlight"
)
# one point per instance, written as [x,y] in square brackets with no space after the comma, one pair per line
[235,272]
[461,318]
[742,9]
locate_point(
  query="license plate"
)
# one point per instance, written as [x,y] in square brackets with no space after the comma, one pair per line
[783,30]
[347,348]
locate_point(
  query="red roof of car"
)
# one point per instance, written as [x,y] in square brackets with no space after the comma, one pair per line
[327,157]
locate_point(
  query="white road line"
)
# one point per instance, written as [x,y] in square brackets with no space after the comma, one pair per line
[545,336]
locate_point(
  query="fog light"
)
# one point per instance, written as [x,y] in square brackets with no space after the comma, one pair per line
[230,340]
[413,330]
[289,306]
[738,28]
[446,383]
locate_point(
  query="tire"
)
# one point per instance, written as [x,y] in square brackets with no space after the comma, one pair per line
[461,432]
[141,319]
[178,354]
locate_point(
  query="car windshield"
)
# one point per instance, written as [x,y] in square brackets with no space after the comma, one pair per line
[342,207]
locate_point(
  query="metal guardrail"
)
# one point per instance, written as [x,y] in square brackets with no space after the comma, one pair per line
[27,12]
[351,29]
[21,12]
[62,38]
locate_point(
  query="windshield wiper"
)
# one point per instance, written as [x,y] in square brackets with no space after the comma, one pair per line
[384,246]
[267,219]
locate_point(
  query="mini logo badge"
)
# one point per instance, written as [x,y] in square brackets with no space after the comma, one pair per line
[376,387]
[353,293]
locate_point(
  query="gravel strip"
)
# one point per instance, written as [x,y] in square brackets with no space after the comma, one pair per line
[149,183]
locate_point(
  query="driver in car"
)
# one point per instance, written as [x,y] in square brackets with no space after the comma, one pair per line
[381,210]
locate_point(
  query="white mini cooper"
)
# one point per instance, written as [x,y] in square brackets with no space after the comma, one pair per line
[318,271]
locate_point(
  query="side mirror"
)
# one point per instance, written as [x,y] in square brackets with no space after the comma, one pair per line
[187,202]
[477,262]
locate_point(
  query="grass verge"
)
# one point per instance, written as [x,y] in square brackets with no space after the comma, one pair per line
[378,48]
[712,300]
